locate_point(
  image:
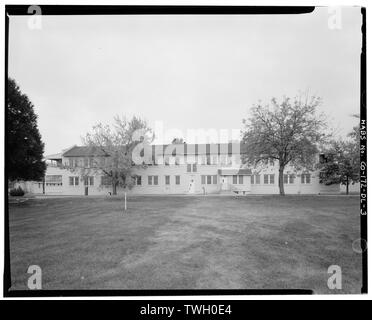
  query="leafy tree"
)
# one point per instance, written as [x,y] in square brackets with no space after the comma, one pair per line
[288,132]
[113,146]
[178,141]
[341,163]
[24,145]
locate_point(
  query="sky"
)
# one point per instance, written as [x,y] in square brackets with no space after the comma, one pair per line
[182,72]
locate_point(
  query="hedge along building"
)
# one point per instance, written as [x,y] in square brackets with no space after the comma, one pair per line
[176,169]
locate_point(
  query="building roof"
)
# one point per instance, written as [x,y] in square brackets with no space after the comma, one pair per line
[85,151]
[56,156]
[169,149]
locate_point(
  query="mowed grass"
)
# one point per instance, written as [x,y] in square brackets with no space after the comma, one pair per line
[180,242]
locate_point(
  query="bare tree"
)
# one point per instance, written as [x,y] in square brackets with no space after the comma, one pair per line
[288,132]
[112,147]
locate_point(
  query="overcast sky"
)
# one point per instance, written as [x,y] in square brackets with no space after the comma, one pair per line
[189,72]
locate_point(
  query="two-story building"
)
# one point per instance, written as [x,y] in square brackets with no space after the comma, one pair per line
[175,169]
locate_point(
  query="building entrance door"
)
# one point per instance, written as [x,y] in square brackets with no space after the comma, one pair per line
[192,185]
[224,183]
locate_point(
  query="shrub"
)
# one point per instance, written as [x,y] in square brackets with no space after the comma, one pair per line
[17,192]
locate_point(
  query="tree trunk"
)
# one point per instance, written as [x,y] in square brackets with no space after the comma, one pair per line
[281,180]
[347,185]
[114,185]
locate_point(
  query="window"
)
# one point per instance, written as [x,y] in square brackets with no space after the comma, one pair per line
[209,179]
[53,180]
[208,160]
[241,179]
[178,179]
[89,181]
[272,178]
[153,180]
[305,178]
[235,179]
[105,181]
[258,178]
[288,178]
[269,178]
[167,179]
[215,179]
[188,167]
[138,180]
[86,162]
[71,162]
[76,181]
[285,178]
[194,167]
[91,163]
[71,181]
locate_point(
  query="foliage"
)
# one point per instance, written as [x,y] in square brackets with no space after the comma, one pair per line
[341,164]
[288,132]
[115,145]
[17,192]
[24,146]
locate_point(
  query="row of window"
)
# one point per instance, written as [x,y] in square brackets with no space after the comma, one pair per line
[288,178]
[56,180]
[209,179]
[154,180]
[91,162]
[74,181]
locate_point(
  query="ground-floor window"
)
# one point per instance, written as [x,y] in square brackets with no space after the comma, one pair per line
[241,179]
[105,181]
[53,180]
[178,179]
[89,181]
[138,180]
[305,178]
[235,179]
[269,178]
[255,179]
[167,180]
[209,179]
[153,180]
[71,181]
[289,178]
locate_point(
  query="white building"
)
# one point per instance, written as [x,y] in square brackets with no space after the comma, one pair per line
[197,169]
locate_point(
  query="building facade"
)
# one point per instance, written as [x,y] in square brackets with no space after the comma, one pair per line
[175,169]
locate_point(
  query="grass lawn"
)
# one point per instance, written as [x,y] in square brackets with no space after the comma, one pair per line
[178,242]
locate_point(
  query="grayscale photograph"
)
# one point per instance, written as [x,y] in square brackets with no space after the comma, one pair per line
[185,151]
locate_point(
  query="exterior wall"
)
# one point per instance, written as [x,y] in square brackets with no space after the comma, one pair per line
[314,187]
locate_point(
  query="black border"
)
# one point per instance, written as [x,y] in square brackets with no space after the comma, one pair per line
[16,10]
[363,151]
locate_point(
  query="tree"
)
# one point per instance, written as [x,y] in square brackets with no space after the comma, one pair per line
[113,147]
[178,141]
[24,146]
[341,163]
[288,132]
